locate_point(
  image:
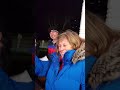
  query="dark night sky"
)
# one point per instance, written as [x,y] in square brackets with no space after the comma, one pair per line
[33,15]
[98,7]
[55,9]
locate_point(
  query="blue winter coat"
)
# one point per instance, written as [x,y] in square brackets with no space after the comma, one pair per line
[71,77]
[8,84]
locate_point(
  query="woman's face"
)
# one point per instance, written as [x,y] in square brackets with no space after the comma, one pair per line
[64,46]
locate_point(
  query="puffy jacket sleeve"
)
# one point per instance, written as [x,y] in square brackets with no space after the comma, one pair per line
[41,67]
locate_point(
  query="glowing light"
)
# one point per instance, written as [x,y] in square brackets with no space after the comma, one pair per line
[82,23]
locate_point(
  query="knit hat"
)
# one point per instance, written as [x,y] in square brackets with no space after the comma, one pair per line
[53,28]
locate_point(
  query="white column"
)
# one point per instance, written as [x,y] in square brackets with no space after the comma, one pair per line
[19,37]
[82,23]
[113,14]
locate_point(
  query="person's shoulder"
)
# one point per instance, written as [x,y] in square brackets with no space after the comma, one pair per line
[79,55]
[50,42]
[54,56]
[81,63]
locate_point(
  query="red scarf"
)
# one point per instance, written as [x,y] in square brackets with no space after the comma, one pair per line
[61,63]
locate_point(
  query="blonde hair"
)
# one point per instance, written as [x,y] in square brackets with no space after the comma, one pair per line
[98,35]
[72,37]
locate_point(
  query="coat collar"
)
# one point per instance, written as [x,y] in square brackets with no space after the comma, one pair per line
[67,59]
[79,55]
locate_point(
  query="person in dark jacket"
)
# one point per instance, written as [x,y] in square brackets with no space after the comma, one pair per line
[102,55]
[62,71]
[6,83]
[53,32]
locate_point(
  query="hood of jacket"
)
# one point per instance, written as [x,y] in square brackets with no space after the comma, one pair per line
[79,54]
[107,66]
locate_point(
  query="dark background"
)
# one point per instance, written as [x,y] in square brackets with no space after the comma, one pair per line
[30,16]
[38,15]
[98,7]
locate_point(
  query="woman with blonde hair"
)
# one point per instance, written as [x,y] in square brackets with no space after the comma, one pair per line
[62,71]
[102,55]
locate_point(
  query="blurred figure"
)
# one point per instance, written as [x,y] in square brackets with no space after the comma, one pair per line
[62,71]
[102,55]
[6,83]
